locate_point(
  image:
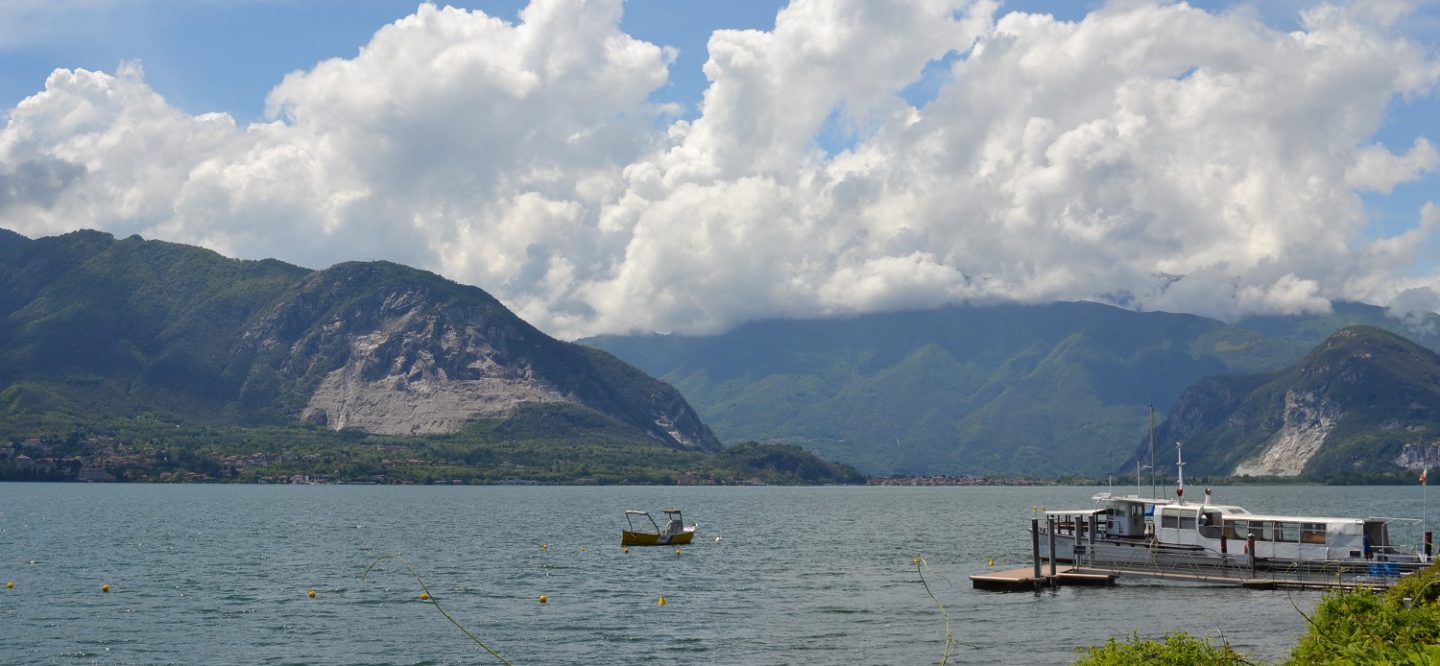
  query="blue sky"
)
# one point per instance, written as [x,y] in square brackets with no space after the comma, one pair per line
[225,56]
[217,55]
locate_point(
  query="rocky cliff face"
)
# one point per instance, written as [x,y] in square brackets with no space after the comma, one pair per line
[1308,420]
[111,328]
[1420,454]
[386,349]
[420,375]
[1364,402]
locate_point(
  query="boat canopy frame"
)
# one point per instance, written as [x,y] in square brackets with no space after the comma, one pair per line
[671,515]
[629,518]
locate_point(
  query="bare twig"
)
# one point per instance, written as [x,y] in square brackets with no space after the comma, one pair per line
[436,603]
[950,641]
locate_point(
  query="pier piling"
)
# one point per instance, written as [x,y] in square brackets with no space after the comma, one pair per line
[1050,530]
[1094,521]
[1035,545]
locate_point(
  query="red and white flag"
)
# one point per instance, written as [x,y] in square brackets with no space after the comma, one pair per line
[1424,473]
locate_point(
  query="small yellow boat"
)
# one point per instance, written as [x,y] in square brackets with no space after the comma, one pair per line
[675,532]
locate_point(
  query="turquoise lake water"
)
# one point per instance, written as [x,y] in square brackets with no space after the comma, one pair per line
[219,575]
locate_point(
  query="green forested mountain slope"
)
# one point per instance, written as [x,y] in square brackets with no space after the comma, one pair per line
[94,328]
[1049,389]
[1305,331]
[1364,403]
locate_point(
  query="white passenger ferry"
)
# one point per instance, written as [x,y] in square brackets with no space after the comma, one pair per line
[1135,531]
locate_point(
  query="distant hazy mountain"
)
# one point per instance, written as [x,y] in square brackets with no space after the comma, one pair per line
[1049,389]
[94,327]
[1364,402]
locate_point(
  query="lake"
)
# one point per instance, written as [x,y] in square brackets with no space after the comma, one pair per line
[219,574]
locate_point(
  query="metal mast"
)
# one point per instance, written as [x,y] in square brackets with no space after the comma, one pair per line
[1154,489]
[1180,469]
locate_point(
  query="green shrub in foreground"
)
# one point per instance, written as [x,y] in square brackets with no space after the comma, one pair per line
[1177,649]
[1366,628]
[1400,626]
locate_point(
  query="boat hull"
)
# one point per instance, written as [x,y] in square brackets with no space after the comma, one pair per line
[1142,553]
[628,538]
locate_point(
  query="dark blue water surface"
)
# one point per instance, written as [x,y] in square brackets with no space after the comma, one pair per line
[219,575]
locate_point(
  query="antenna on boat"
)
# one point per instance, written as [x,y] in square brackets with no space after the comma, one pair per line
[1180,469]
[1154,489]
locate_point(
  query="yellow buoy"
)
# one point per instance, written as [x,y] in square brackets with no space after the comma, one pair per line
[677,551]
[662,600]
[9,584]
[105,587]
[544,546]
[990,562]
[915,561]
[584,548]
[312,594]
[424,596]
[544,599]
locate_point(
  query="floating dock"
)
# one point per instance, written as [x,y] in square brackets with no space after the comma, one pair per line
[1024,580]
[1016,580]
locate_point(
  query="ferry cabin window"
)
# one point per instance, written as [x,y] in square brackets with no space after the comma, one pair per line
[1210,525]
[1236,529]
[1287,532]
[1170,520]
[1312,533]
[1260,530]
[1187,522]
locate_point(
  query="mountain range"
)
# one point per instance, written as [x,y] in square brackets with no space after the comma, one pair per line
[90,324]
[162,361]
[1361,403]
[174,345]
[1043,390]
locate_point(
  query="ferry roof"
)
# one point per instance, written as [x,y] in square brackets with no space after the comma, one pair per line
[1108,497]
[1321,519]
[1238,513]
[1231,511]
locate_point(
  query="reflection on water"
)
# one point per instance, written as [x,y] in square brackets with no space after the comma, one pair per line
[219,574]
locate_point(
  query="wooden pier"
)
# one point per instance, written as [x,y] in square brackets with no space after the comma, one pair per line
[1258,580]
[1014,580]
[1025,580]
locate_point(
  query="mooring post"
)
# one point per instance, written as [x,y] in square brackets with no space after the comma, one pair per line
[1050,527]
[1090,547]
[1250,548]
[1035,545]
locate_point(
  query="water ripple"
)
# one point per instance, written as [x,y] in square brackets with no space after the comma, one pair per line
[220,574]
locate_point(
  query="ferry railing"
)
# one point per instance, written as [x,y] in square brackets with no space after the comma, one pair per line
[1241,570]
[1210,566]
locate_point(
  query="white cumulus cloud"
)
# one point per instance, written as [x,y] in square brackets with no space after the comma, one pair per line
[1152,154]
[1379,170]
